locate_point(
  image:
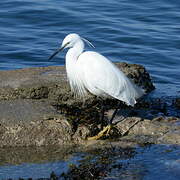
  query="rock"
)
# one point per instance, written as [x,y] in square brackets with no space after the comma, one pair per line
[33,102]
[157,131]
[138,74]
[51,82]
[24,111]
[171,137]
[126,124]
[49,132]
[81,134]
[177,103]
[147,127]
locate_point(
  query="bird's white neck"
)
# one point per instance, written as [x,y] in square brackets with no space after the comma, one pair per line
[71,62]
[74,52]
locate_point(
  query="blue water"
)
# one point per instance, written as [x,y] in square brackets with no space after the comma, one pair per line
[156,162]
[37,170]
[153,163]
[143,32]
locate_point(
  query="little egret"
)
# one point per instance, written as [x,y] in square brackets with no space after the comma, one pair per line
[92,72]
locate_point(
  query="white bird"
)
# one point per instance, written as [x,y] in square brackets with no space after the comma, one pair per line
[89,71]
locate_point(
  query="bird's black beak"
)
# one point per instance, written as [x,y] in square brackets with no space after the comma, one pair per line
[57,51]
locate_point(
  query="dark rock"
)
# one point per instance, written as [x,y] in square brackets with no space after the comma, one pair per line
[100,166]
[177,103]
[138,74]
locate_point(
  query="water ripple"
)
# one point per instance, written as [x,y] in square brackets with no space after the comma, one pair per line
[131,31]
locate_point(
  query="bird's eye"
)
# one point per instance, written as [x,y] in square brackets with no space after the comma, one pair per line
[67,43]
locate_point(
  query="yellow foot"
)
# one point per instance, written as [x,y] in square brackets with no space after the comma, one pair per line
[102,133]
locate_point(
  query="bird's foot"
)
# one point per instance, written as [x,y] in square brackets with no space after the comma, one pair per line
[104,132]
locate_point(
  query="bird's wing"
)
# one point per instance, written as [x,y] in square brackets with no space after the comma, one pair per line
[101,76]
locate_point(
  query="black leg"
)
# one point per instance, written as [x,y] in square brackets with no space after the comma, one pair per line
[114,113]
[102,114]
[106,130]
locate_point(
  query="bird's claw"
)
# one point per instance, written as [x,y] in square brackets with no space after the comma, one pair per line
[104,132]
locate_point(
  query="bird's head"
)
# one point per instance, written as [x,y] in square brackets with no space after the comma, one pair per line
[68,42]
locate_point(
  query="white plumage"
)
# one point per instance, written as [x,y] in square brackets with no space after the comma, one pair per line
[91,71]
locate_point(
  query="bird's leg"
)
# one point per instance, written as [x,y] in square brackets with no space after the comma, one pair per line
[101,133]
[114,113]
[102,114]
[108,128]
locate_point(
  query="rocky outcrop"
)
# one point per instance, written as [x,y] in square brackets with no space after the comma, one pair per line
[37,109]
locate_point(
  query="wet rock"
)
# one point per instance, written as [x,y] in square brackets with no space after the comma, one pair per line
[36,154]
[98,163]
[171,137]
